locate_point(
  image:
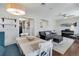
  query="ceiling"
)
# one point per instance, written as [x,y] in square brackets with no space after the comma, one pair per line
[48,10]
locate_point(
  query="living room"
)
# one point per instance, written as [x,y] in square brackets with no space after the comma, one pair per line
[42,22]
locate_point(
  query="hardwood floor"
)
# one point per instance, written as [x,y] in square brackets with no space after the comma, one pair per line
[72,51]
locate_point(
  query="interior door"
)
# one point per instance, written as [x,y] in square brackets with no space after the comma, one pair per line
[28,26]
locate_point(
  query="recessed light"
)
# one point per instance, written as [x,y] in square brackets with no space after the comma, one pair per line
[43,3]
[22,19]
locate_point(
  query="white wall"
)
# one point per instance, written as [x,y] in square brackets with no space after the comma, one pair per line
[37,26]
[37,19]
[51,25]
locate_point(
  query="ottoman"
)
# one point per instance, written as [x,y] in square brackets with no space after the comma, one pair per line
[57,38]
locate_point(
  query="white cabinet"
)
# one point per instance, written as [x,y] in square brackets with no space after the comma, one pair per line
[11,30]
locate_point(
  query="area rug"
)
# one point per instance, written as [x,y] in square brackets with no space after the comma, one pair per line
[63,46]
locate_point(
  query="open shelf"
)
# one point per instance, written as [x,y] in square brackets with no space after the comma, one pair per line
[5,21]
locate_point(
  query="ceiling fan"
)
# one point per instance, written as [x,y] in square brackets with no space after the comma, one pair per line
[65,15]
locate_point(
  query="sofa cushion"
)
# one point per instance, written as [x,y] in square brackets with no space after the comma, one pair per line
[47,33]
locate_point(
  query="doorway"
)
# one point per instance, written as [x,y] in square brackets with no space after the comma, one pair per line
[27,25]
